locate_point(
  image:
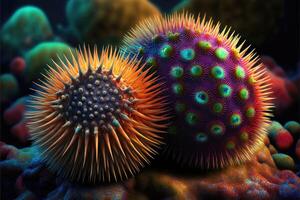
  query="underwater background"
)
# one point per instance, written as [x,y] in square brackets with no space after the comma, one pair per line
[33,32]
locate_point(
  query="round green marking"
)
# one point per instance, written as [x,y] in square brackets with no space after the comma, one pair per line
[180,107]
[187,54]
[244,136]
[230,145]
[225,90]
[204,45]
[191,118]
[218,72]
[240,72]
[177,88]
[201,137]
[235,119]
[251,80]
[218,107]
[217,129]
[250,112]
[201,97]
[221,53]
[172,36]
[166,51]
[244,94]
[177,72]
[196,71]
[115,123]
[172,130]
[151,61]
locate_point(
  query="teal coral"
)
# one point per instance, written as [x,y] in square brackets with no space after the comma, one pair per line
[26,27]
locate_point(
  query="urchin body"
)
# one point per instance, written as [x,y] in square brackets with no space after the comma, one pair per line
[219,96]
[96,119]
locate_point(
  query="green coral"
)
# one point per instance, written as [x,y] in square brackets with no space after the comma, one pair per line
[27,26]
[9,87]
[41,55]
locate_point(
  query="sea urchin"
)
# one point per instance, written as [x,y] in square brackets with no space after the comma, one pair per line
[220,96]
[96,119]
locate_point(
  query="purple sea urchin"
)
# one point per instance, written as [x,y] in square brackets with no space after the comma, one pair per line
[96,119]
[220,95]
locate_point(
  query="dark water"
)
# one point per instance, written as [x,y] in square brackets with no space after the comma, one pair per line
[284,47]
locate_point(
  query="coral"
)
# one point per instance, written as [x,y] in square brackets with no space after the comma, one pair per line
[284,144]
[38,179]
[283,161]
[256,179]
[39,56]
[285,91]
[25,28]
[12,164]
[17,66]
[9,87]
[14,117]
[105,21]
[97,119]
[14,113]
[243,15]
[21,131]
[68,191]
[293,127]
[218,94]
[283,140]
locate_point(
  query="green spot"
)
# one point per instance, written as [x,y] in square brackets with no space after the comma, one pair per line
[218,107]
[251,80]
[221,53]
[240,72]
[196,71]
[244,136]
[217,129]
[151,61]
[187,54]
[201,97]
[115,123]
[172,36]
[191,118]
[235,119]
[166,51]
[180,107]
[177,72]
[201,137]
[225,90]
[172,130]
[177,88]
[205,45]
[230,145]
[244,94]
[250,112]
[218,72]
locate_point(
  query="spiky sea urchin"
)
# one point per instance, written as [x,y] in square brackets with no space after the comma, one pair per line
[219,94]
[97,119]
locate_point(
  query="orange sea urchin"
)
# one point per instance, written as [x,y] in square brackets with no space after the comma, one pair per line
[96,119]
[220,96]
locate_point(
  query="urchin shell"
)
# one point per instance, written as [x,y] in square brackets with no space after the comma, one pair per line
[97,118]
[220,96]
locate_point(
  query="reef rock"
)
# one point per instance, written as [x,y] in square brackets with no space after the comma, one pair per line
[26,27]
[41,55]
[257,179]
[105,21]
